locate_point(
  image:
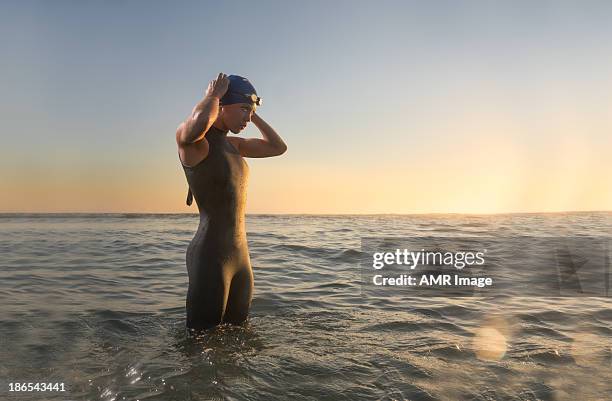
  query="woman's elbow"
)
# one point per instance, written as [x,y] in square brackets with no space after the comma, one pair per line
[282,149]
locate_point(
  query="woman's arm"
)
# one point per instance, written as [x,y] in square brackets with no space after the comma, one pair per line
[271,144]
[204,114]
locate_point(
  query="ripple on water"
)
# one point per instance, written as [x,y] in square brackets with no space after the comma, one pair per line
[114,290]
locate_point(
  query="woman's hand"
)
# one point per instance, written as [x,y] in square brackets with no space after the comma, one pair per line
[217,87]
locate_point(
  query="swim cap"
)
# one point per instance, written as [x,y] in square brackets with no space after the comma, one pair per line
[240,90]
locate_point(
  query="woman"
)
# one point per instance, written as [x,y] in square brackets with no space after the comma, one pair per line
[218,263]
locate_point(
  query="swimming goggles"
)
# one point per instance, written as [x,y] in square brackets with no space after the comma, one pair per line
[252,97]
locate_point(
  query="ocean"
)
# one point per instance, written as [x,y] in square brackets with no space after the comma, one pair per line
[96,302]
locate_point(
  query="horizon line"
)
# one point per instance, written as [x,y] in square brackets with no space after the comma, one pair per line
[311,214]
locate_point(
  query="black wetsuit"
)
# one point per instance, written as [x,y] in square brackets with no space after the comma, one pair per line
[218,263]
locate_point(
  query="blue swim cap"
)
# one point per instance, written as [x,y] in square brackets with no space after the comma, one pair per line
[240,90]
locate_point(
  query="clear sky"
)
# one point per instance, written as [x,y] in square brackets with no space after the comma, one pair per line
[386,107]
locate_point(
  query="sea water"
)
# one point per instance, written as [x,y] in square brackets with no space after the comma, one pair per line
[96,302]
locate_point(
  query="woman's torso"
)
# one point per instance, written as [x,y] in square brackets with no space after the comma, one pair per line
[219,184]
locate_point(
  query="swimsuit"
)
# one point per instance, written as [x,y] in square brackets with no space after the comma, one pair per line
[218,262]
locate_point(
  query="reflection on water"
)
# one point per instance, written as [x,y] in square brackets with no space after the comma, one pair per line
[97,302]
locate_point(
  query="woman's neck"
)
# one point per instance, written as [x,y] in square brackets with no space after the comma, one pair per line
[218,124]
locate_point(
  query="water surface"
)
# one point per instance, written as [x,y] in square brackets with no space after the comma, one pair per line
[97,302]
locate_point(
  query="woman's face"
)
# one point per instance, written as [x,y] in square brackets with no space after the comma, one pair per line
[236,116]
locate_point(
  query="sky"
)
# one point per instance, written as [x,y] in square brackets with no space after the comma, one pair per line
[386,107]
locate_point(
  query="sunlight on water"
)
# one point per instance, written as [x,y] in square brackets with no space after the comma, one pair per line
[490,344]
